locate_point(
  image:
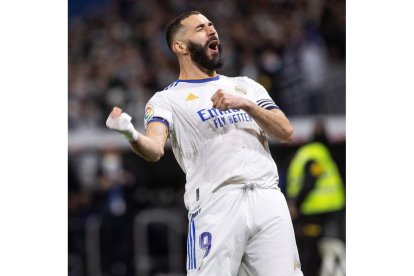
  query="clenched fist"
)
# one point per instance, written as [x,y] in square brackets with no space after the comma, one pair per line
[224,100]
[121,122]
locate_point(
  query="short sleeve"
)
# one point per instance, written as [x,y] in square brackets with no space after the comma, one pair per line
[158,110]
[262,97]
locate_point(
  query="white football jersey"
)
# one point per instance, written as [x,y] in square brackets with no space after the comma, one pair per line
[214,148]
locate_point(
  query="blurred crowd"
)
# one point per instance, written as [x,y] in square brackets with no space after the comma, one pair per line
[295,48]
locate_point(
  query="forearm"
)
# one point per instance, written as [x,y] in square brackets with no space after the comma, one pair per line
[273,122]
[148,148]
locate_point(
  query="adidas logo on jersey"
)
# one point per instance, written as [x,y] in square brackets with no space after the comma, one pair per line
[191,97]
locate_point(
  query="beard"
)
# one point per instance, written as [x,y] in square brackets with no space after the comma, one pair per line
[199,55]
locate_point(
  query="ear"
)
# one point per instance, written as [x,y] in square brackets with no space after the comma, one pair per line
[179,47]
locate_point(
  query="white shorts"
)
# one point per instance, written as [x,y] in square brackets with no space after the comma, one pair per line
[242,228]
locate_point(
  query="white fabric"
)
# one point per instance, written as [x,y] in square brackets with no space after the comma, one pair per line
[245,225]
[123,125]
[214,148]
[333,257]
[238,218]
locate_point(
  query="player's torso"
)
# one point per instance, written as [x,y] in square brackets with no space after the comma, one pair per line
[197,126]
[216,148]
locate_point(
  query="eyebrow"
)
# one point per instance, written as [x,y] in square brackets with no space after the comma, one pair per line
[202,25]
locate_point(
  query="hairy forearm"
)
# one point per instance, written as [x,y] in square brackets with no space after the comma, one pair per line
[274,123]
[148,148]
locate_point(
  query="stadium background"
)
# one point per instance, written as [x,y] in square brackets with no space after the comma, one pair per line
[118,56]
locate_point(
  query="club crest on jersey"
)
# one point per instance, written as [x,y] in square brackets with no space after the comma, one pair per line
[240,89]
[149,112]
[191,97]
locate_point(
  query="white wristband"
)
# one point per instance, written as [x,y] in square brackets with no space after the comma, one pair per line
[131,134]
[123,125]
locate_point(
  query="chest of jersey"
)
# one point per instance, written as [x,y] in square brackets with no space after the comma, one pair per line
[193,109]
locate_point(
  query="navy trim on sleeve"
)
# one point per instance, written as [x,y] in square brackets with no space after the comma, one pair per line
[267,104]
[265,101]
[159,119]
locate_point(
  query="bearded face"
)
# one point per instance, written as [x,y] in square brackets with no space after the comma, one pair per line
[208,56]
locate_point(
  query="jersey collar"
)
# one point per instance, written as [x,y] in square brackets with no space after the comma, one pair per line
[201,80]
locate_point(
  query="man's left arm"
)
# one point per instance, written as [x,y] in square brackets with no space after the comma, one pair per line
[273,122]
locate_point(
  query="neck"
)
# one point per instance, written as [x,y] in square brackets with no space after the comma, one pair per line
[191,71]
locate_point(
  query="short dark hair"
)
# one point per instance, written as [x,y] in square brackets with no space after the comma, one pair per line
[175,25]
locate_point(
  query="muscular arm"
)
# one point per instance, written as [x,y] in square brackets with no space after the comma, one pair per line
[273,122]
[151,145]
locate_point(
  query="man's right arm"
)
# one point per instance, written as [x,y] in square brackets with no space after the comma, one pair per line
[149,146]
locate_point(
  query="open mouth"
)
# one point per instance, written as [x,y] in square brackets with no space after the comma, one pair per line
[213,45]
